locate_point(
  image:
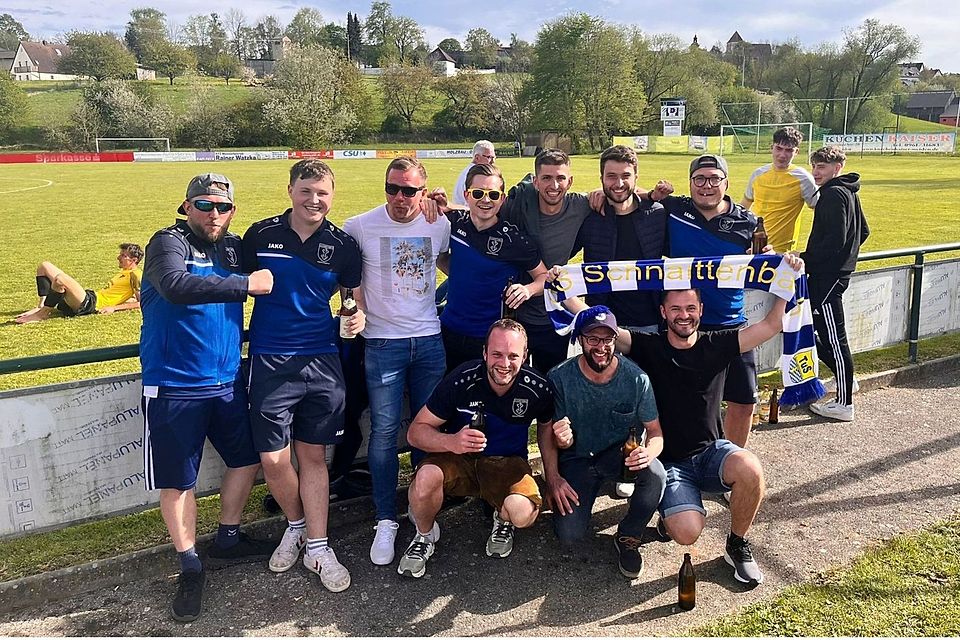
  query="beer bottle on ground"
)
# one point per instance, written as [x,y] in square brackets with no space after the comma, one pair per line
[347,308]
[478,421]
[628,446]
[759,238]
[774,407]
[686,585]
[506,311]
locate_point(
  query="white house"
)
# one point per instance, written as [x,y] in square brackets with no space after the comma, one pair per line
[39,61]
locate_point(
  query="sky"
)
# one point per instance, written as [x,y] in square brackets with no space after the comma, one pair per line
[811,22]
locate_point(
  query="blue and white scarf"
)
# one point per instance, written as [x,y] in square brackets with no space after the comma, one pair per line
[798,364]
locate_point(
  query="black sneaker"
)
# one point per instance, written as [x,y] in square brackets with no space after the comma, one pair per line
[188,603]
[628,553]
[739,555]
[247,549]
[662,531]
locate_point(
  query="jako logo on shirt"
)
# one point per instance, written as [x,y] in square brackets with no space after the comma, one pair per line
[274,245]
[324,253]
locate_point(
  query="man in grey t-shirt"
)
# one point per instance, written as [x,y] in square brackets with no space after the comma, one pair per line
[551,216]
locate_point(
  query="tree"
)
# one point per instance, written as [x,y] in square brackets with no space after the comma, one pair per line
[169,60]
[465,102]
[335,37]
[267,29]
[239,33]
[392,39]
[306,28]
[354,37]
[450,45]
[306,99]
[147,27]
[406,89]
[481,49]
[408,36]
[97,55]
[206,123]
[509,105]
[13,105]
[116,108]
[11,32]
[521,57]
[225,66]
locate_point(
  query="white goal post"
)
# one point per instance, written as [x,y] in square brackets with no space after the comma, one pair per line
[164,140]
[763,129]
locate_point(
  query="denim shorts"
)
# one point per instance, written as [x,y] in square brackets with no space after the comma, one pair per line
[688,478]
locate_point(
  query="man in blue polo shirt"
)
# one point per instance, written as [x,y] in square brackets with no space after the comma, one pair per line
[297,388]
[192,300]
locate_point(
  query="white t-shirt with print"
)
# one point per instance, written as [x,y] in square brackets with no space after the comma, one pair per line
[399,272]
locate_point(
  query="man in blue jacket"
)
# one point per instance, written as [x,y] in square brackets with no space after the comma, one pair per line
[192,300]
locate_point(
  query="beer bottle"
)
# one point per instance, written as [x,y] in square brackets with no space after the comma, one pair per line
[628,446]
[686,585]
[774,407]
[506,311]
[348,307]
[478,421]
[759,238]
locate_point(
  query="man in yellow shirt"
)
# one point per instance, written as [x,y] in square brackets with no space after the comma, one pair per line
[59,291]
[776,192]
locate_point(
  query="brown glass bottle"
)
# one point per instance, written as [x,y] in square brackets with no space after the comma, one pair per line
[686,585]
[759,238]
[478,421]
[774,407]
[348,307]
[506,311]
[628,446]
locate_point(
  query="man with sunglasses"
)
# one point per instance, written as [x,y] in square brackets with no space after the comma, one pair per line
[297,389]
[485,255]
[599,396]
[709,223]
[404,348]
[483,154]
[192,301]
[777,191]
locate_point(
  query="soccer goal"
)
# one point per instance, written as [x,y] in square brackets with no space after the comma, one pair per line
[124,144]
[757,138]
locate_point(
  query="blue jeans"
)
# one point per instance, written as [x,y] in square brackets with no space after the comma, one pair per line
[392,365]
[688,478]
[587,475]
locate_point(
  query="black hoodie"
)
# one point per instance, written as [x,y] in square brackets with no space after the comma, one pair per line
[839,228]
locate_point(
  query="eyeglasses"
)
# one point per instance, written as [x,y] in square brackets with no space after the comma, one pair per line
[713,181]
[493,194]
[408,192]
[207,206]
[595,341]
[491,158]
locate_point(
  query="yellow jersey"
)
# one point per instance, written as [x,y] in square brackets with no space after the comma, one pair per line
[778,196]
[120,288]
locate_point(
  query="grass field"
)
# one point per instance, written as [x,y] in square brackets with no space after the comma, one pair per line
[75,215]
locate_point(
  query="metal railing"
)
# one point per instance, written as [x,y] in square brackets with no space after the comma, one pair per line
[106,354]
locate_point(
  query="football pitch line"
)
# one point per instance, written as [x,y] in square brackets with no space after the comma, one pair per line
[49,183]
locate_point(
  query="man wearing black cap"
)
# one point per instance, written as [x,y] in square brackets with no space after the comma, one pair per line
[709,223]
[599,396]
[192,301]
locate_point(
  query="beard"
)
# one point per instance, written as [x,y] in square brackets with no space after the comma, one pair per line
[684,331]
[618,198]
[596,366]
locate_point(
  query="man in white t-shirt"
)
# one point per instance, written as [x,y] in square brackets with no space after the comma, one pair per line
[404,349]
[483,153]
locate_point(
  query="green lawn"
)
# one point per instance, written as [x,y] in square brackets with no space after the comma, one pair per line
[80,218]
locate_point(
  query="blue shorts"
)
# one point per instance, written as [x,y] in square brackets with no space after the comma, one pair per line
[741,381]
[174,430]
[296,398]
[687,479]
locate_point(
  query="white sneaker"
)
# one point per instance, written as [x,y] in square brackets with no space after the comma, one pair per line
[288,551]
[834,410]
[831,386]
[382,549]
[333,575]
[625,489]
[434,532]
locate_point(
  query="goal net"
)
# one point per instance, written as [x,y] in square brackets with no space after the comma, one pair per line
[756,138]
[133,144]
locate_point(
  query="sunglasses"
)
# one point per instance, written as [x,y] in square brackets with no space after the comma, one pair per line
[408,192]
[493,194]
[206,206]
[713,181]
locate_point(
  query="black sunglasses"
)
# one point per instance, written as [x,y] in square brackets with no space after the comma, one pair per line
[207,206]
[408,192]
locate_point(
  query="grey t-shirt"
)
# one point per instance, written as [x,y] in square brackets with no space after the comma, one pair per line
[601,414]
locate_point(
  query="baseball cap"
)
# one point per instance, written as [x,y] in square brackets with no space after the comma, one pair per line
[596,316]
[205,185]
[708,161]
